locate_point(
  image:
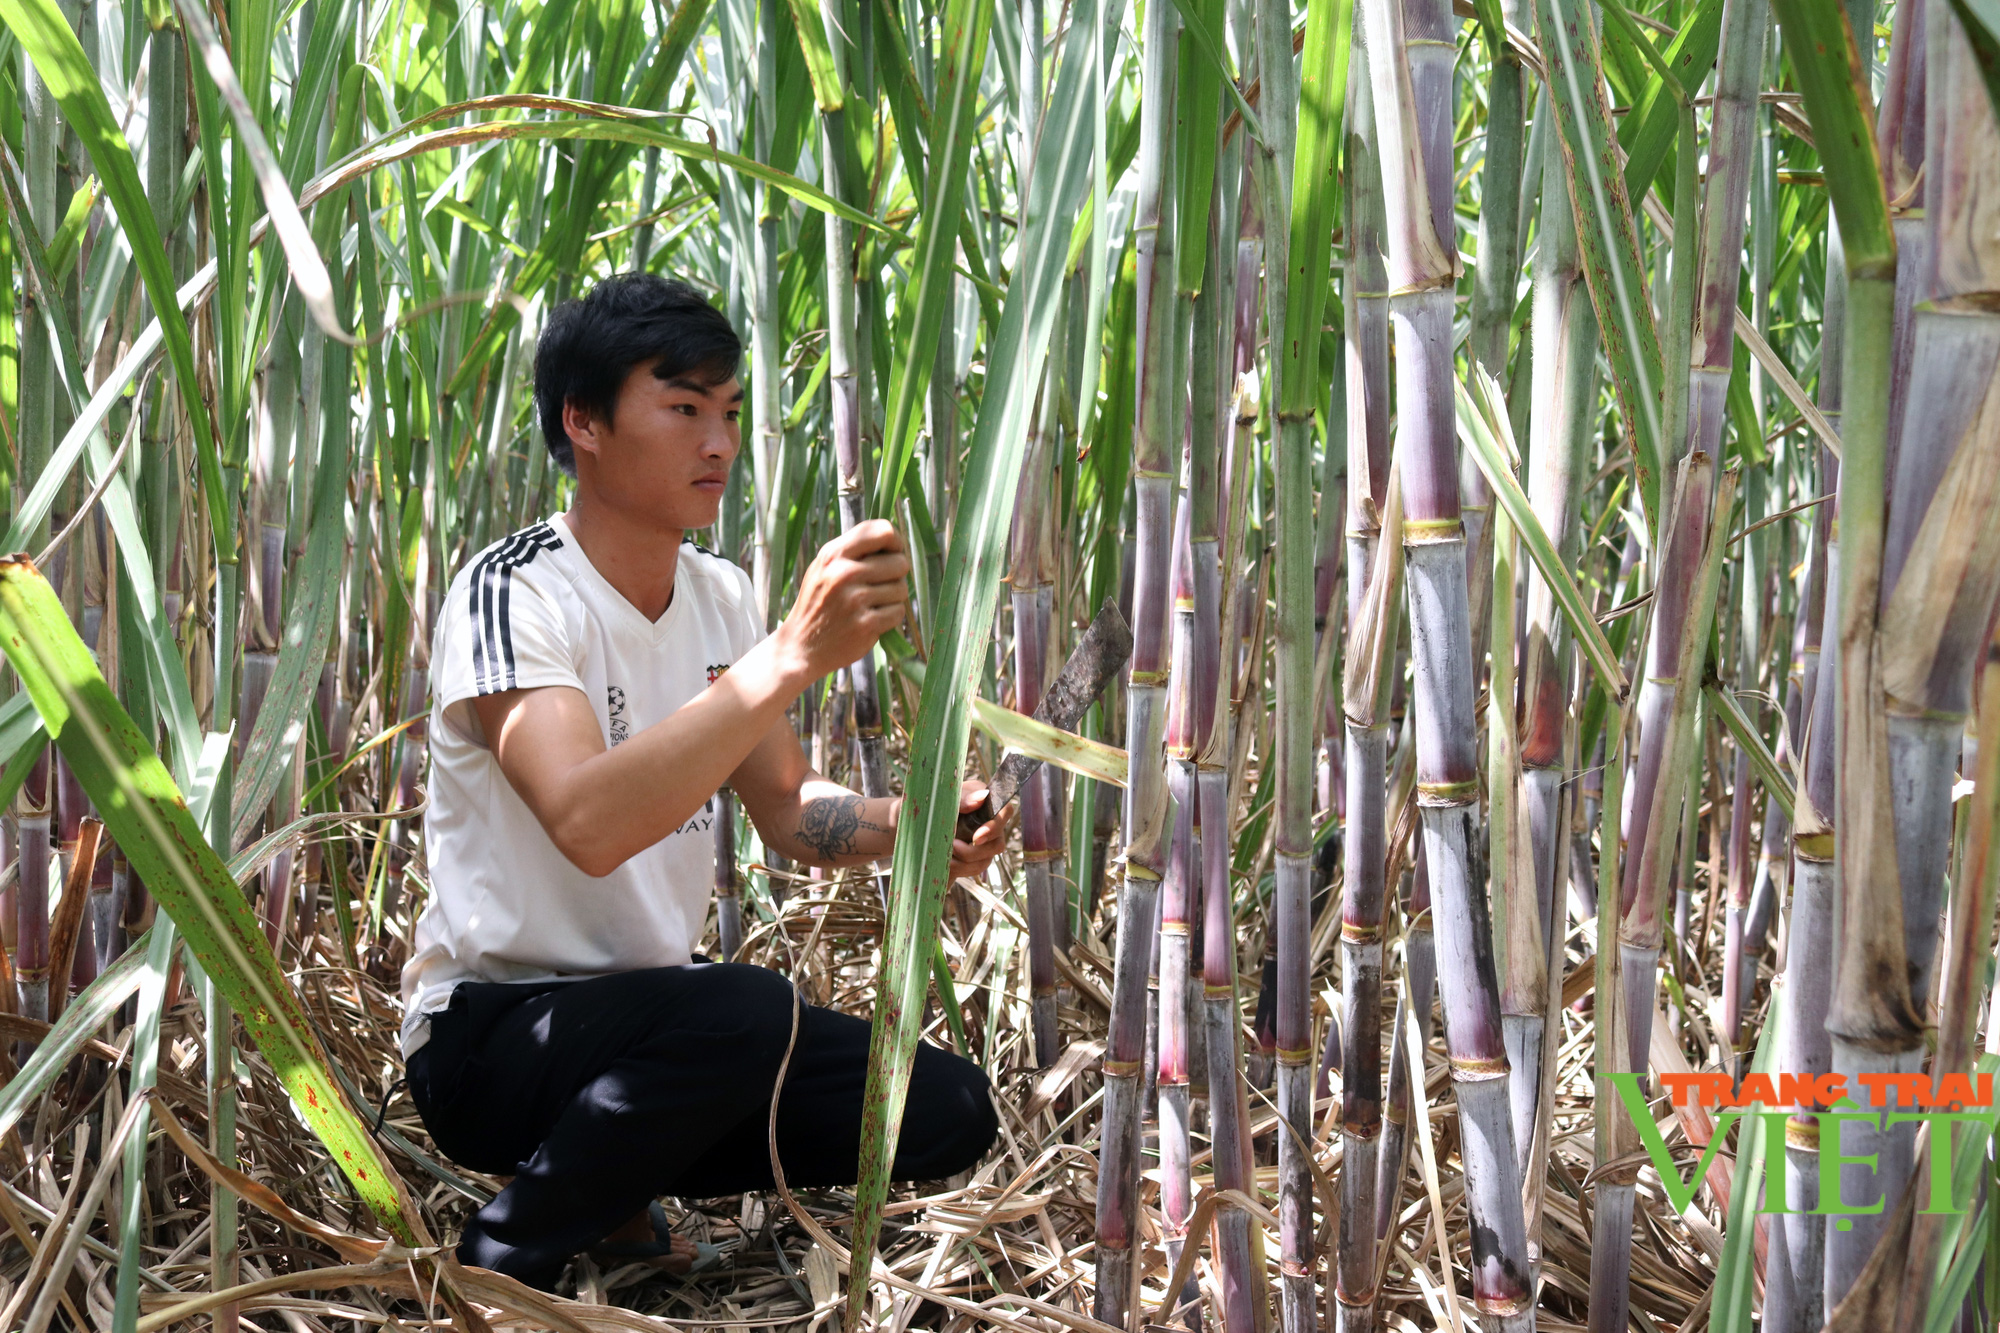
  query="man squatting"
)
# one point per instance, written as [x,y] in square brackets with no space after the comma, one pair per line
[597,677]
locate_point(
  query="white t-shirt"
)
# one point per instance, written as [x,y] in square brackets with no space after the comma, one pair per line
[505,904]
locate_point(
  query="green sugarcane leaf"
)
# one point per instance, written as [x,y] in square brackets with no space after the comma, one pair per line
[65,245]
[267,755]
[967,32]
[309,275]
[1841,109]
[1969,1162]
[85,436]
[159,836]
[1199,91]
[165,675]
[1730,710]
[988,484]
[319,72]
[46,36]
[1315,196]
[593,126]
[1607,235]
[1484,427]
[1735,1269]
[1647,131]
[161,943]
[590,178]
[89,1010]
[1198,26]
[909,109]
[21,739]
[819,55]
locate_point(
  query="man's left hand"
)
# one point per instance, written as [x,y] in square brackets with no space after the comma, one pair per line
[970,859]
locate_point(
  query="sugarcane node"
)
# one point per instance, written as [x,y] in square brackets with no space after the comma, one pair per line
[1432,531]
[1802,1132]
[1445,795]
[1478,1068]
[1916,712]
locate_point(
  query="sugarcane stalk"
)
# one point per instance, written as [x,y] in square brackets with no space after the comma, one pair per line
[1794,1281]
[1176,1181]
[1871,1008]
[1737,979]
[1522,922]
[1614,1138]
[1414,1004]
[1495,279]
[1370,677]
[1373,613]
[1145,792]
[1410,63]
[1236,1248]
[728,883]
[1563,388]
[1941,552]
[767,427]
[1032,576]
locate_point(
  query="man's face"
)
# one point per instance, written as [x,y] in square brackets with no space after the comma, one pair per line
[666,453]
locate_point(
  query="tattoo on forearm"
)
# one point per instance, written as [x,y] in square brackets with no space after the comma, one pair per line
[827,824]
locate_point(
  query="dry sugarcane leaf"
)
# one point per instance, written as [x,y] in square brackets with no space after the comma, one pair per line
[1871,1304]
[1957,545]
[68,922]
[354,1249]
[1049,1085]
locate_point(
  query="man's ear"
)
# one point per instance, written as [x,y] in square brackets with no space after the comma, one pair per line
[582,426]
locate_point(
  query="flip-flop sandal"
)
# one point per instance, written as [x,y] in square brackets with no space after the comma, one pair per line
[661,1246]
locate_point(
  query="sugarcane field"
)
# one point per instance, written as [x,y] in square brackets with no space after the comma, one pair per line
[1047,666]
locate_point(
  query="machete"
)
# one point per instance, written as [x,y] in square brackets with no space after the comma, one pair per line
[1099,656]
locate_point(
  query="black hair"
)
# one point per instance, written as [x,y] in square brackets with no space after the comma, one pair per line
[591,344]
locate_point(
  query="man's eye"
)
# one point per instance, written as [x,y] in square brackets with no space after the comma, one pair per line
[734,416]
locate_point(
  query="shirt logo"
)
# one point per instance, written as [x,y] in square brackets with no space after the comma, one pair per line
[715,672]
[620,727]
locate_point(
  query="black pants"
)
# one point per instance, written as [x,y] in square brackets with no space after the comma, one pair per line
[601,1095]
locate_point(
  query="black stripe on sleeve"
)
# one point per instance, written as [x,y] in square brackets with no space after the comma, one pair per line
[489,595]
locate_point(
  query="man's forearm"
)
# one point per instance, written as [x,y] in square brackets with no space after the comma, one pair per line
[830,826]
[602,808]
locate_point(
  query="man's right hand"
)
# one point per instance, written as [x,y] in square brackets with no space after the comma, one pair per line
[855,591]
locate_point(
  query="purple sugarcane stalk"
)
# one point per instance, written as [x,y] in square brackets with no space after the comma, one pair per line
[1563,390]
[31,900]
[1365,721]
[1415,1004]
[1158,422]
[1410,62]
[1941,565]
[1795,1277]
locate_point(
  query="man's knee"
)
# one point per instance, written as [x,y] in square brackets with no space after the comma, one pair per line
[952,1121]
[751,1005]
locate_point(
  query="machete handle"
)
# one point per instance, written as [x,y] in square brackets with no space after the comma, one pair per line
[970,821]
